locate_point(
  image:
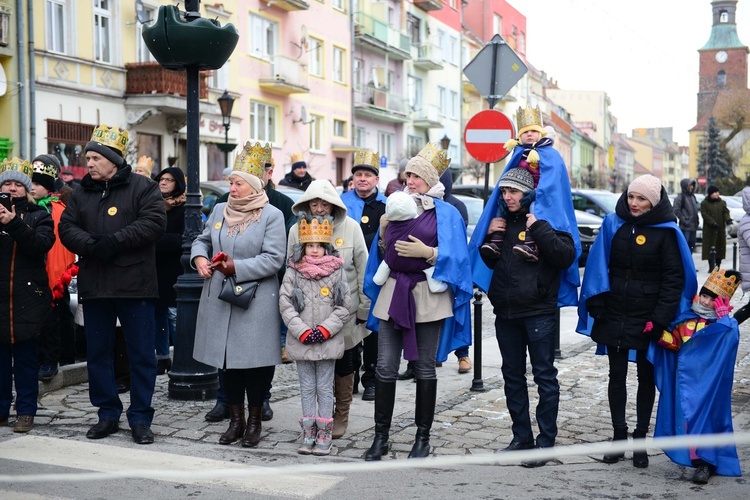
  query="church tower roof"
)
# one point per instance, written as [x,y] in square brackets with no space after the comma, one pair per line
[724,29]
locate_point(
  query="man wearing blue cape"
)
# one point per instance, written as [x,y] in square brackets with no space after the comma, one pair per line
[527,288]
[694,371]
[406,313]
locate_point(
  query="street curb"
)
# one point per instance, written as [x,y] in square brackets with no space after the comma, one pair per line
[66,375]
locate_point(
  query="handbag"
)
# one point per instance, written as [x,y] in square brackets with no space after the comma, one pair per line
[238,294]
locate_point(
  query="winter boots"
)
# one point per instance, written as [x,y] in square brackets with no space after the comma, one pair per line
[423,416]
[640,457]
[252,432]
[342,389]
[323,440]
[385,398]
[621,434]
[236,424]
[309,431]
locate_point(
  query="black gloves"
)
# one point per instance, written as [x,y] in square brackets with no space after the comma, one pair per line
[106,248]
[596,312]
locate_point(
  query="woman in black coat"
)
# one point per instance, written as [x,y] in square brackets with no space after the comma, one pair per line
[168,266]
[26,235]
[646,278]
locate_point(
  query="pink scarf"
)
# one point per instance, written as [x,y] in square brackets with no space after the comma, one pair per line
[315,268]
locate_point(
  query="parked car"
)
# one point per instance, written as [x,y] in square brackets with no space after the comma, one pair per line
[734,204]
[213,190]
[589,226]
[595,201]
[474,206]
[473,190]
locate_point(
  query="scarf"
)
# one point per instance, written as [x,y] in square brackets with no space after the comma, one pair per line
[174,201]
[241,212]
[44,202]
[703,311]
[315,268]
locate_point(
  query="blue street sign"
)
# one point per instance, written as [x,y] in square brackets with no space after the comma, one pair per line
[383,162]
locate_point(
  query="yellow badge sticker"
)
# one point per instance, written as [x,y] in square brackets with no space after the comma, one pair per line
[522,235]
[217,226]
[112,211]
[325,291]
[365,219]
[339,242]
[640,239]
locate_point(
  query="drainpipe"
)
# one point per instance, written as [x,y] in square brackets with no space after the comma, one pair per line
[32,84]
[21,75]
[352,57]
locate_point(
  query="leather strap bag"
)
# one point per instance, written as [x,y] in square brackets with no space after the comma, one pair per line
[238,294]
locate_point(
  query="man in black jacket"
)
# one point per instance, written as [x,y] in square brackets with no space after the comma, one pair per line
[524,297]
[686,209]
[112,222]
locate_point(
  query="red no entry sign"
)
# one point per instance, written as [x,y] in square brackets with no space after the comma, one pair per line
[485,135]
[702,180]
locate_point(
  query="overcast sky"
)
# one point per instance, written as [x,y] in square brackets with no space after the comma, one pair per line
[643,53]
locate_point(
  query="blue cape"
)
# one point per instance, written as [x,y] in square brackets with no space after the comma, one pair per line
[695,392]
[452,267]
[596,276]
[553,204]
[355,205]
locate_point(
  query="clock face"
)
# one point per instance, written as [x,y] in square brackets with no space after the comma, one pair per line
[721,56]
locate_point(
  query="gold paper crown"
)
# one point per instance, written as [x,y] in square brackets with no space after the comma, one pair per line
[112,137]
[45,169]
[17,165]
[367,157]
[315,231]
[436,155]
[529,118]
[145,162]
[297,157]
[253,159]
[720,284]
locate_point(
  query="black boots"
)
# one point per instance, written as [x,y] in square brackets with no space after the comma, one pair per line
[423,417]
[252,432]
[385,397]
[640,457]
[621,434]
[236,424]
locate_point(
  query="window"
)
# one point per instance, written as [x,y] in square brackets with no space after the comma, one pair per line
[263,37]
[449,45]
[357,73]
[443,100]
[102,31]
[142,52]
[414,85]
[723,17]
[339,128]
[360,133]
[315,67]
[219,78]
[414,144]
[66,140]
[339,65]
[386,141]
[316,132]
[721,78]
[412,28]
[339,5]
[262,122]
[454,105]
[522,42]
[56,13]
[497,24]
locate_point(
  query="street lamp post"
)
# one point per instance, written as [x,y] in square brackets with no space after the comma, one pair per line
[445,142]
[225,104]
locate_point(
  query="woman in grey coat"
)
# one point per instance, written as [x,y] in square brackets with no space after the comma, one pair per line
[244,343]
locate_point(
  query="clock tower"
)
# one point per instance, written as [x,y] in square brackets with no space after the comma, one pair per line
[723,60]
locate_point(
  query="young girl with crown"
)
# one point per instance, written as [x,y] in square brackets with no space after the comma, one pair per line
[314,301]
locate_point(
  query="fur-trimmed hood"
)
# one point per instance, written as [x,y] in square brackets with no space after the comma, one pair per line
[324,190]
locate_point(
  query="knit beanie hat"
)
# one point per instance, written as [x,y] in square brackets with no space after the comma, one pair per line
[711,190]
[648,186]
[109,153]
[251,179]
[14,175]
[402,165]
[16,169]
[517,178]
[399,206]
[49,160]
[44,180]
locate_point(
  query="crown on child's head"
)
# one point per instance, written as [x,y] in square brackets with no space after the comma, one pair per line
[253,159]
[722,285]
[18,165]
[43,169]
[315,230]
[437,156]
[367,157]
[529,118]
[111,137]
[146,162]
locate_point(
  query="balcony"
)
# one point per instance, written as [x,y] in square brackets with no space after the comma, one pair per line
[286,76]
[377,35]
[428,5]
[150,89]
[288,5]
[379,104]
[428,116]
[428,57]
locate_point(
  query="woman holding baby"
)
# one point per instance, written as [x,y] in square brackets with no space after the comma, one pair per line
[421,295]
